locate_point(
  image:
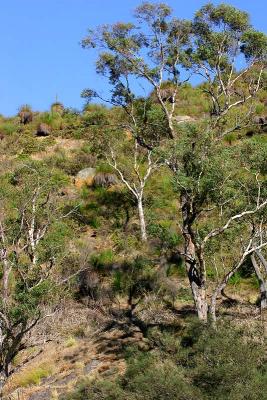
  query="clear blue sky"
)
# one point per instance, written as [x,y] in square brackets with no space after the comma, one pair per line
[40,53]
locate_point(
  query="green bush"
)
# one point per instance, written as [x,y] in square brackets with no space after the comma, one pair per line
[168,238]
[225,364]
[103,259]
[103,390]
[202,364]
[8,127]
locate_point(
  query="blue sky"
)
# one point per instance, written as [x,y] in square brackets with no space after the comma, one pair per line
[40,53]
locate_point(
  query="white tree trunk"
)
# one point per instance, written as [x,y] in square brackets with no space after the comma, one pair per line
[200,299]
[142,219]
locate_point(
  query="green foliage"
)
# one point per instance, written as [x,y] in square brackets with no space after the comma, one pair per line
[134,278]
[103,259]
[259,109]
[184,294]
[202,364]
[98,117]
[8,127]
[104,390]
[150,378]
[235,279]
[206,170]
[35,236]
[70,342]
[168,238]
[227,365]
[73,164]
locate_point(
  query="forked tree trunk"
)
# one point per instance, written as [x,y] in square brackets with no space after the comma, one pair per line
[142,219]
[198,289]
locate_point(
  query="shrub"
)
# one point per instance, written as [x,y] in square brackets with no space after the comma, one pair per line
[102,390]
[70,342]
[105,180]
[203,364]
[57,108]
[224,363]
[8,127]
[168,238]
[149,377]
[103,259]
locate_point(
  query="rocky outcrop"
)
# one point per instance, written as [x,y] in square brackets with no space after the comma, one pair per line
[85,177]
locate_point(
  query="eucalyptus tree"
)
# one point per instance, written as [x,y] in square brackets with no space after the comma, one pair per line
[135,176]
[31,241]
[220,46]
[145,122]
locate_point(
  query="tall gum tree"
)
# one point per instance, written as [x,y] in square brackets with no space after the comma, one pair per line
[211,179]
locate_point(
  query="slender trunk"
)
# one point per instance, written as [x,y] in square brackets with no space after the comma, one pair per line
[194,261]
[167,114]
[263,284]
[218,290]
[171,130]
[142,219]
[262,260]
[212,308]
[5,278]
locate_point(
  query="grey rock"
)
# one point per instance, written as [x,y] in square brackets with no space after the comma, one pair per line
[42,395]
[86,173]
[91,366]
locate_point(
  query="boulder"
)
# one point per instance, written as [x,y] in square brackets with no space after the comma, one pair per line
[85,177]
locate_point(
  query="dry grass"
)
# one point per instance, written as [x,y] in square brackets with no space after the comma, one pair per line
[32,376]
[67,145]
[72,357]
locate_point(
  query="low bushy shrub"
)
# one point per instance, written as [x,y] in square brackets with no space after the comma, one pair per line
[201,364]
